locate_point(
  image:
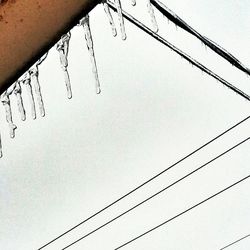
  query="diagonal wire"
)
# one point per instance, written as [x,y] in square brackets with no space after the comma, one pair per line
[208,42]
[157,193]
[180,52]
[182,213]
[235,242]
[146,182]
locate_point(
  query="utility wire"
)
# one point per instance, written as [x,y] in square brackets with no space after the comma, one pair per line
[235,242]
[180,52]
[208,42]
[156,194]
[182,213]
[146,182]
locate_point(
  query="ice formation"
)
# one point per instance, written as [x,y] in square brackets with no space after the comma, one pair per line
[110,18]
[89,41]
[18,93]
[121,19]
[63,47]
[5,99]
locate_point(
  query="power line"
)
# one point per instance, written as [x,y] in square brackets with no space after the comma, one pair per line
[235,242]
[180,52]
[146,182]
[212,45]
[182,213]
[155,194]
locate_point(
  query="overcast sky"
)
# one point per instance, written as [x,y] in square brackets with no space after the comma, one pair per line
[154,109]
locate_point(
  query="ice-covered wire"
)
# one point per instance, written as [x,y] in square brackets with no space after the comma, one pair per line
[211,44]
[180,52]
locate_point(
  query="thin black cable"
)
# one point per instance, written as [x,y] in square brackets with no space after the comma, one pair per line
[146,182]
[156,194]
[208,42]
[235,242]
[185,211]
[180,52]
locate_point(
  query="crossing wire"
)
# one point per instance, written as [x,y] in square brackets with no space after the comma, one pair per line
[146,182]
[156,194]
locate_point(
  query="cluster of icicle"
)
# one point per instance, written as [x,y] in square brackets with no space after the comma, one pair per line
[30,80]
[118,6]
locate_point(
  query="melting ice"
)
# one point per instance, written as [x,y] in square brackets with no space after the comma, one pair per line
[121,19]
[5,99]
[89,41]
[110,18]
[18,94]
[26,80]
[63,47]
[34,74]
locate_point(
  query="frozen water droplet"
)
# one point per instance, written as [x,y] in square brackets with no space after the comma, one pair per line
[121,19]
[63,47]
[133,2]
[34,73]
[152,16]
[6,103]
[26,80]
[18,94]
[89,41]
[110,18]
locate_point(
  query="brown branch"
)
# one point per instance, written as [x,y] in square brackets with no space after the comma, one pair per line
[29,28]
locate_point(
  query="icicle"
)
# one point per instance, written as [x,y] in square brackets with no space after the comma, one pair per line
[63,47]
[133,2]
[6,103]
[120,17]
[34,73]
[152,15]
[89,41]
[110,18]
[18,93]
[26,81]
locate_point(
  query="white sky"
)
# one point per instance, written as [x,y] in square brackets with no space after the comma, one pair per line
[154,109]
